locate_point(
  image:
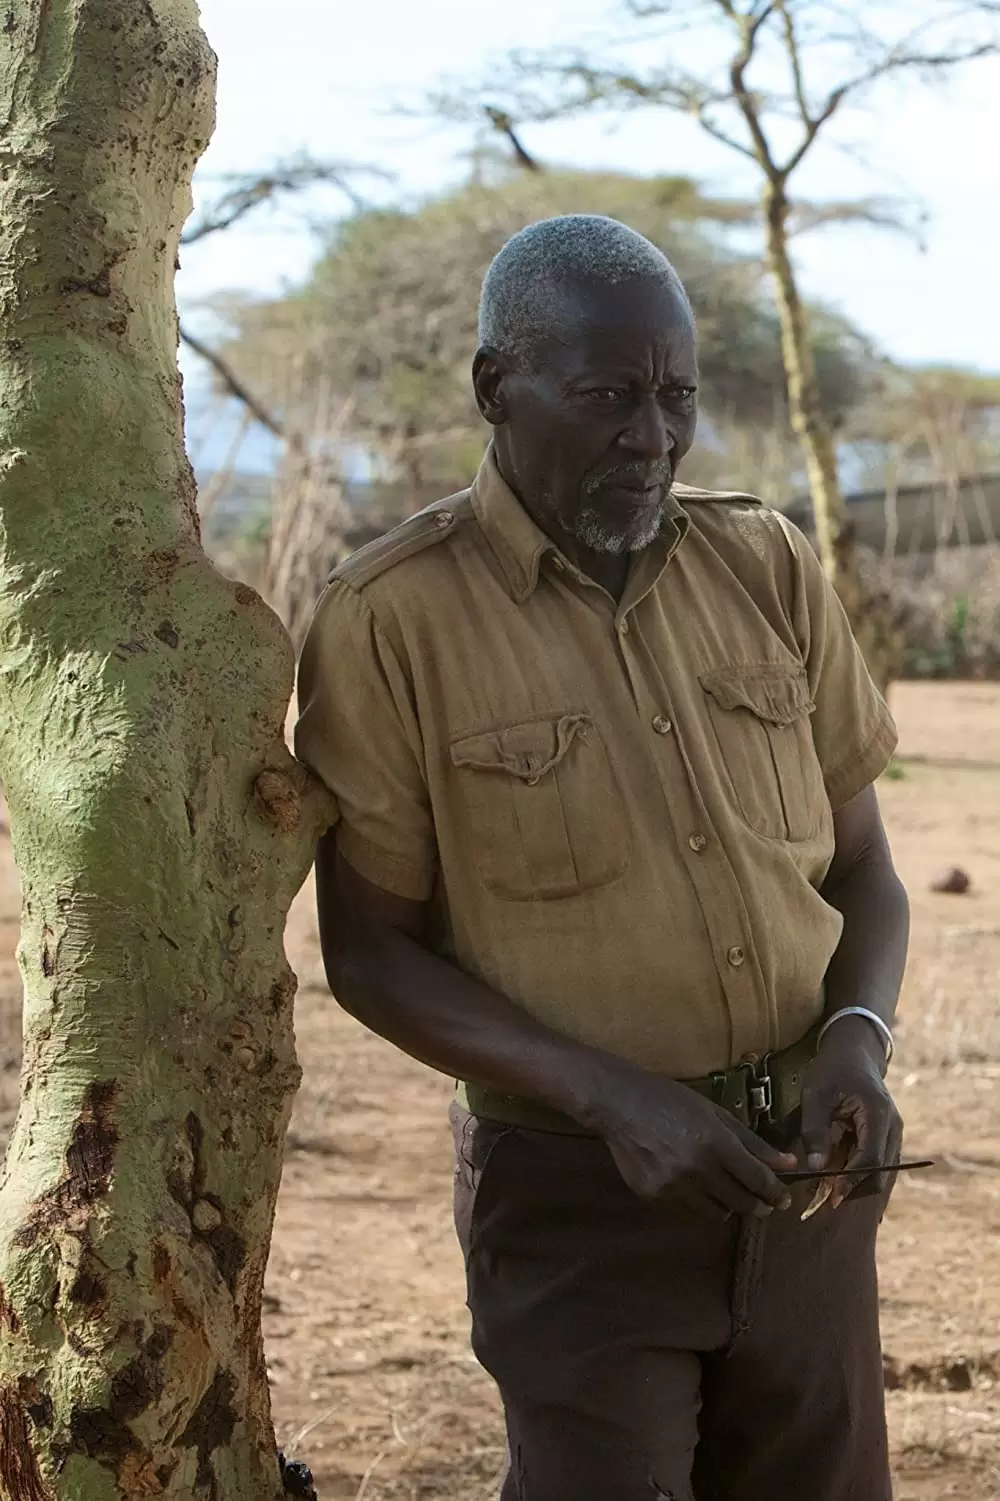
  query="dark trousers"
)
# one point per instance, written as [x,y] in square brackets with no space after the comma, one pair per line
[640,1354]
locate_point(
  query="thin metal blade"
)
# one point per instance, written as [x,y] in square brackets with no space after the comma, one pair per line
[809,1175]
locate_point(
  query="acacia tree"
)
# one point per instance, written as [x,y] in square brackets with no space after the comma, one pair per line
[160,826]
[388,317]
[770,78]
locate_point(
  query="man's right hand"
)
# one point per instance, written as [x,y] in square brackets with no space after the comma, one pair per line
[670,1143]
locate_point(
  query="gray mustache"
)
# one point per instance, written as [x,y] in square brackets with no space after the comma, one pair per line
[634,473]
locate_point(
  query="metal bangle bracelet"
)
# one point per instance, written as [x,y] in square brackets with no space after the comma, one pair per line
[878,1022]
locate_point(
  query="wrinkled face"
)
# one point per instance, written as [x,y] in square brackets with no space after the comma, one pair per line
[591,435]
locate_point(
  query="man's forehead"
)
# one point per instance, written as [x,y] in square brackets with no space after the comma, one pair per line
[600,321]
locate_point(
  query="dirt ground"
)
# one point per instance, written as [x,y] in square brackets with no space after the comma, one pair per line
[373,1383]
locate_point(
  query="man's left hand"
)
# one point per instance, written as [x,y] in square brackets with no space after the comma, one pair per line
[847,1109]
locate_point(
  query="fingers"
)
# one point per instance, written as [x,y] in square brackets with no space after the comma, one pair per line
[877,1131]
[893,1151]
[723,1195]
[750,1204]
[779,1162]
[818,1112]
[750,1165]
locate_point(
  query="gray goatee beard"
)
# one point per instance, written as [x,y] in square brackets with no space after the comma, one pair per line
[592,529]
[617,537]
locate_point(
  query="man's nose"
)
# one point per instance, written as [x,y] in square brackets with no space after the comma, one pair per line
[649,434]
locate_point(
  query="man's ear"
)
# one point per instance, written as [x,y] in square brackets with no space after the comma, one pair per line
[489,384]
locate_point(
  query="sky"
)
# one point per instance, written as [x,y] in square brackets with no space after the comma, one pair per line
[333,79]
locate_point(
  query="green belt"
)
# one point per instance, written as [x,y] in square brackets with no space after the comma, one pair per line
[761,1093]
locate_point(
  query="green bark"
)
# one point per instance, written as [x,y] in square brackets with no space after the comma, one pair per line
[160,826]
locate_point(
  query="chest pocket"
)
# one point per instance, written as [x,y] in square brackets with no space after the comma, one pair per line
[761,720]
[541,808]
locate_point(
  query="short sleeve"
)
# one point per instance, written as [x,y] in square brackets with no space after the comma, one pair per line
[358,731]
[853,731]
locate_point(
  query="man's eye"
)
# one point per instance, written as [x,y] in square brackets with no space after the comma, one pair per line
[606,394]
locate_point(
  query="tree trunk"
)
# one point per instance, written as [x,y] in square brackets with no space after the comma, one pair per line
[878,633]
[160,826]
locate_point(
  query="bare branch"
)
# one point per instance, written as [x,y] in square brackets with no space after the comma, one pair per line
[502,122]
[588,86]
[879,213]
[898,60]
[829,109]
[247,193]
[709,126]
[546,87]
[212,493]
[795,61]
[233,384]
[743,94]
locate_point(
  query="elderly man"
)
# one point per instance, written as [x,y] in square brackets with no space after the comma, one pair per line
[609,854]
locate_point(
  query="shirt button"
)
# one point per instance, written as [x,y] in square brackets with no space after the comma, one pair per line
[443,519]
[662,726]
[698,842]
[736,956]
[623,628]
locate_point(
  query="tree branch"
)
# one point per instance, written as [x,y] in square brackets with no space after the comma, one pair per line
[232,383]
[744,96]
[209,497]
[814,127]
[897,61]
[718,134]
[502,122]
[248,193]
[795,61]
[879,213]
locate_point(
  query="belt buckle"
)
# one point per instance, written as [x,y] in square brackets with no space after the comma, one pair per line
[760,1093]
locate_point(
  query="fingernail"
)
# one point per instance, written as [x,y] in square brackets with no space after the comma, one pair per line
[786,1202]
[816,1159]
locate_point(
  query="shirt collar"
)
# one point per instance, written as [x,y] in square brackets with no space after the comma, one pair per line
[519,544]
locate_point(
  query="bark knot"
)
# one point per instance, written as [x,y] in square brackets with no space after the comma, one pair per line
[278,800]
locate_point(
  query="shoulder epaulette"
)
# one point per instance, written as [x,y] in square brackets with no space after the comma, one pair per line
[431,525]
[692,495]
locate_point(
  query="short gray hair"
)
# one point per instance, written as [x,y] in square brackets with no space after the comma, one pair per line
[520,297]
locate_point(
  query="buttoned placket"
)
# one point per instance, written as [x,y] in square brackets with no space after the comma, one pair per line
[714,880]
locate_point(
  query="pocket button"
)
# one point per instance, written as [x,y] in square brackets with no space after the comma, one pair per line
[662,725]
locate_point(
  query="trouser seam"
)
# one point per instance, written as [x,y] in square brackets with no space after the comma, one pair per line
[746,1278]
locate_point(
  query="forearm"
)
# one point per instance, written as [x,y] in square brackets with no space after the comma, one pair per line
[463,1028]
[867,968]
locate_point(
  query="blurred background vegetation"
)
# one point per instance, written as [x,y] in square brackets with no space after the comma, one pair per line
[360,374]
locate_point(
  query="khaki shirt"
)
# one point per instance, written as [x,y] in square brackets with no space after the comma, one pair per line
[621,812]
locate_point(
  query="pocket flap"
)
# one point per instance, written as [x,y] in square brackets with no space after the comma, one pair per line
[778,695]
[527,751]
